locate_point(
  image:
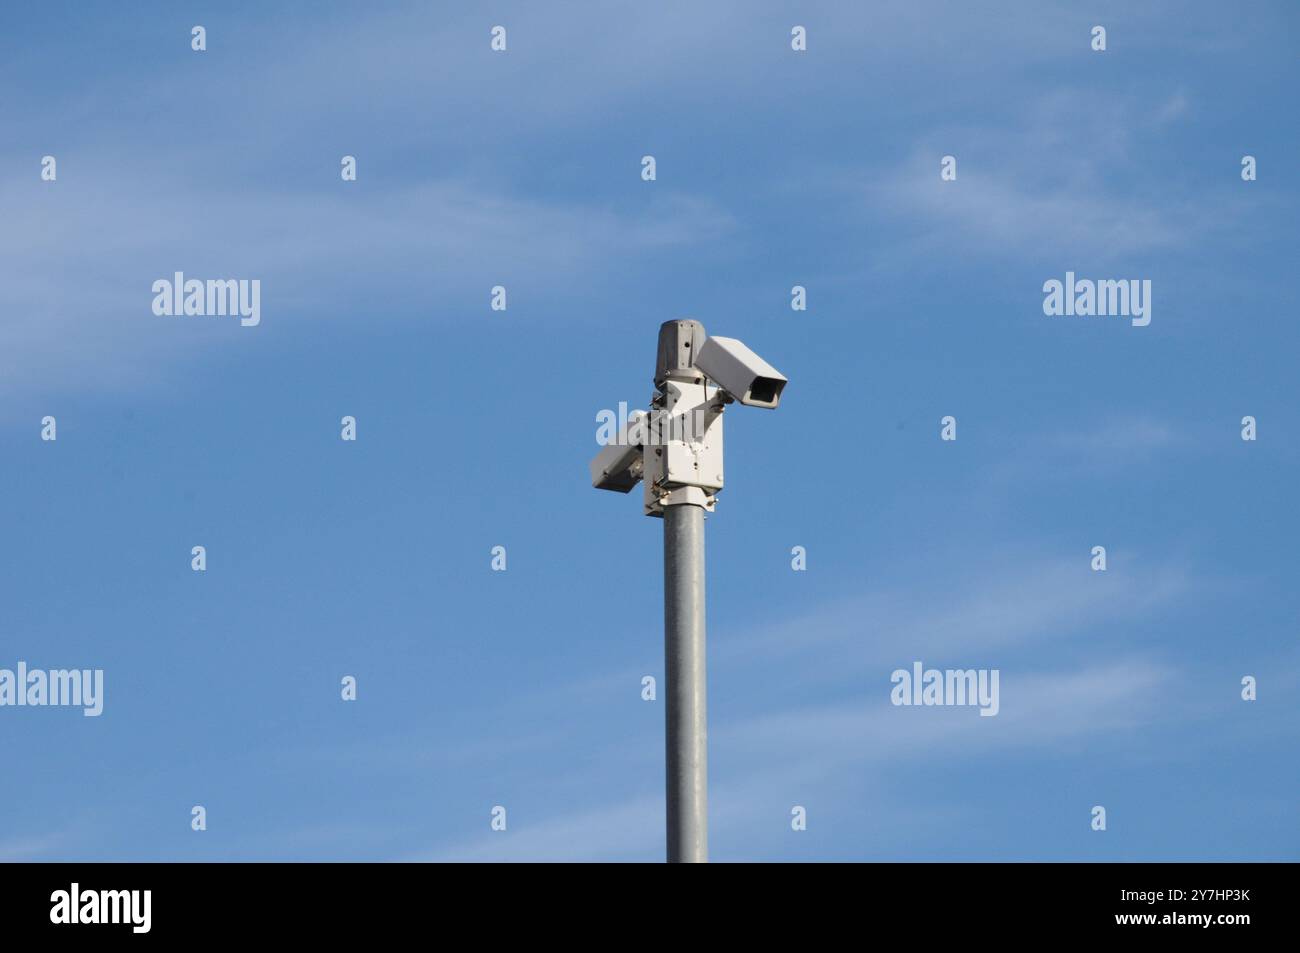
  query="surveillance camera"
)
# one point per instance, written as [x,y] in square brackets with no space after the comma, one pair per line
[619,466]
[740,372]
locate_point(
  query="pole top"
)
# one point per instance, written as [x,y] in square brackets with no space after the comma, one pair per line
[679,341]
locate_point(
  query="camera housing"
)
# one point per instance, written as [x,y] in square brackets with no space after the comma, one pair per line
[740,372]
[682,459]
[618,466]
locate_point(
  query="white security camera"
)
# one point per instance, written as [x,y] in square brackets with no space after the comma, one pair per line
[740,372]
[619,465]
[676,448]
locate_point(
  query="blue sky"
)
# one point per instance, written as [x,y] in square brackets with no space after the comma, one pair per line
[522,688]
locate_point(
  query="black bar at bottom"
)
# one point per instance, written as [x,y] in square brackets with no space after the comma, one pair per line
[337,901]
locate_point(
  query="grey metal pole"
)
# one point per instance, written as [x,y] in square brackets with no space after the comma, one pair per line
[686,717]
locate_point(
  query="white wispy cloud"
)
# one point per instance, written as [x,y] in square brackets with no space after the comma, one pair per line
[799,750]
[80,294]
[32,848]
[843,654]
[617,831]
[1005,605]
